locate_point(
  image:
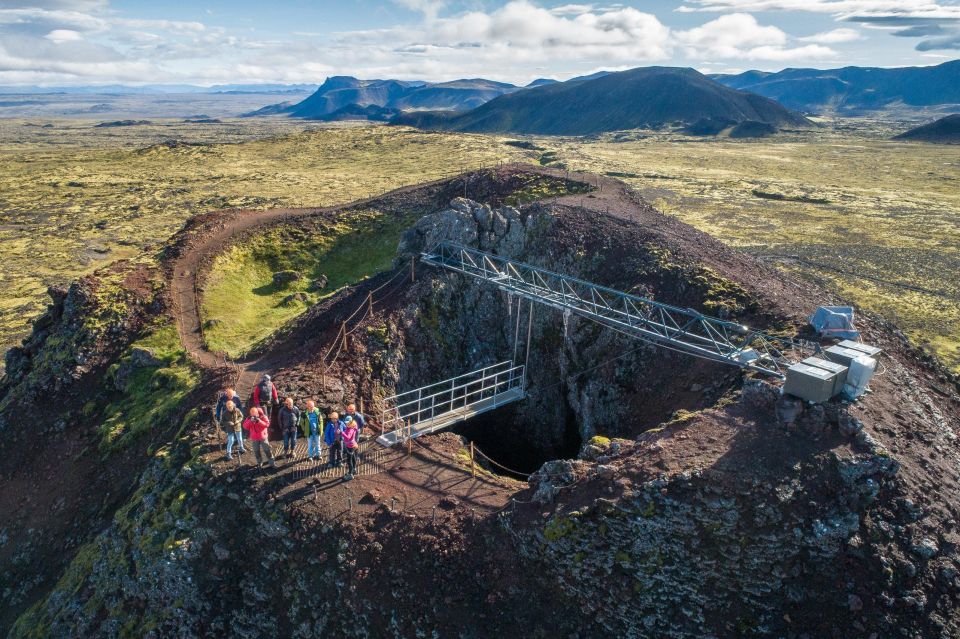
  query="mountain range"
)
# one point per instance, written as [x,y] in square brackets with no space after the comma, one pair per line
[644,97]
[339,92]
[855,90]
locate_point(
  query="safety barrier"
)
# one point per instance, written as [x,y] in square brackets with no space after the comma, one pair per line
[435,406]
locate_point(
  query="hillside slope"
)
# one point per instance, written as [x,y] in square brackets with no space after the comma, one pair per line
[946,130]
[854,90]
[344,92]
[645,97]
[676,502]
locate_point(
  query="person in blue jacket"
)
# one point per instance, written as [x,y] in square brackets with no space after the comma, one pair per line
[333,438]
[228,395]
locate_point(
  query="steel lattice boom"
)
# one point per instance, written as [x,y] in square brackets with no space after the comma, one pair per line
[680,329]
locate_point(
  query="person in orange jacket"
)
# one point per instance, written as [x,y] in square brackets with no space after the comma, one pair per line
[259,427]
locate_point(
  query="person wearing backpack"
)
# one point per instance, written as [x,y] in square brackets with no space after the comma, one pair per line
[228,395]
[333,438]
[259,427]
[265,396]
[312,429]
[289,419]
[230,420]
[349,436]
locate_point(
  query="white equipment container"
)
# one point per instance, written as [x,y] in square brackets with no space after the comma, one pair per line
[858,376]
[842,354]
[809,383]
[833,367]
[866,349]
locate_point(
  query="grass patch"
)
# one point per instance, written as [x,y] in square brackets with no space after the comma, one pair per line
[133,191]
[538,187]
[152,393]
[242,306]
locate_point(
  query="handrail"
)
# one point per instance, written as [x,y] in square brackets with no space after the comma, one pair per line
[482,389]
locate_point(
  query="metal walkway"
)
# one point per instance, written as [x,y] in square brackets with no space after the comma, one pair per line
[684,330]
[434,407]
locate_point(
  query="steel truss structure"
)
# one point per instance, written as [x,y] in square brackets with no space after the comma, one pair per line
[684,330]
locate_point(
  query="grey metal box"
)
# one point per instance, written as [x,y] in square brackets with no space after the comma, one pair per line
[833,367]
[842,354]
[866,349]
[810,383]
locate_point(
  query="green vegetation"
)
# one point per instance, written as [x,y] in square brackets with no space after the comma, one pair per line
[242,305]
[74,197]
[841,197]
[538,187]
[152,393]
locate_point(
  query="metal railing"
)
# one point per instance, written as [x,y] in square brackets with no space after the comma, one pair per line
[412,413]
[685,330]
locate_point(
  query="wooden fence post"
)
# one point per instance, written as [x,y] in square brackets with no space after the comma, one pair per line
[413,271]
[343,330]
[473,466]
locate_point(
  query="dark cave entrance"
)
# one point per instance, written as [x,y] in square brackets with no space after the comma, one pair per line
[500,435]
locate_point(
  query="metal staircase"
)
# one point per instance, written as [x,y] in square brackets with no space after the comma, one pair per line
[436,406]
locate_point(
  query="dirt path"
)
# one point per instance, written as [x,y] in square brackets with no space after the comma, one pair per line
[225,227]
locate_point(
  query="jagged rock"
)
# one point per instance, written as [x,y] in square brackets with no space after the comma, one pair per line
[319,284]
[295,298]
[927,548]
[282,279]
[137,359]
[854,603]
[849,425]
[788,408]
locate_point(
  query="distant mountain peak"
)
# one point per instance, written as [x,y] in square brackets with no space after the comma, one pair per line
[642,97]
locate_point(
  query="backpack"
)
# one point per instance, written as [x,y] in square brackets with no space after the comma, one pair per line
[266,392]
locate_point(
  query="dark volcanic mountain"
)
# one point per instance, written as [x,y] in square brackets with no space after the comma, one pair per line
[340,92]
[943,131]
[645,97]
[371,112]
[853,90]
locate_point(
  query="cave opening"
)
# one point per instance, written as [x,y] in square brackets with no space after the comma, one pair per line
[500,435]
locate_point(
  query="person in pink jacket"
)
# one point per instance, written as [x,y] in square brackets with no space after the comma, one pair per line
[259,427]
[350,436]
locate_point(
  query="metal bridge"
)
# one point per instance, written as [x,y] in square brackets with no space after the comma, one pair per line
[431,408]
[437,406]
[684,330]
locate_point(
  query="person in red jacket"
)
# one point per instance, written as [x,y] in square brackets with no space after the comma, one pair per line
[265,396]
[259,427]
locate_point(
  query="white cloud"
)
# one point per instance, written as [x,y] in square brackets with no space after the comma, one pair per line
[740,36]
[54,40]
[63,35]
[572,9]
[835,36]
[839,8]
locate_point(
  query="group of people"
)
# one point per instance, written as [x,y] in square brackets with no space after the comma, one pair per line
[340,434]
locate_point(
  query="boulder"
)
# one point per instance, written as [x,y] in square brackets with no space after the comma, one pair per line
[285,278]
[295,298]
[138,358]
[319,284]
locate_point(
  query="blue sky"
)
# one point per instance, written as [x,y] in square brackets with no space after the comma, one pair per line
[61,42]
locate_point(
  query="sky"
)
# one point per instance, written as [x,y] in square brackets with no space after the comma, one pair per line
[91,42]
